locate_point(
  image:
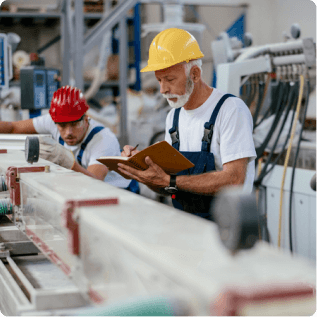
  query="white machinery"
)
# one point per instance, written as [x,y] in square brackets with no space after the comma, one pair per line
[261,59]
[290,207]
[74,245]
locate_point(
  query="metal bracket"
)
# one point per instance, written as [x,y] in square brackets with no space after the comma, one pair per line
[13,180]
[70,220]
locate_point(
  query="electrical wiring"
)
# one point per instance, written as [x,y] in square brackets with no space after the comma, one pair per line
[261,99]
[253,91]
[275,100]
[295,162]
[278,113]
[287,158]
[291,104]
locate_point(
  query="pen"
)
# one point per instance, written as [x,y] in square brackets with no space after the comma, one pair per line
[134,148]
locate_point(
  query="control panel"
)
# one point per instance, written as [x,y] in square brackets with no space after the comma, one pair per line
[52,83]
[38,85]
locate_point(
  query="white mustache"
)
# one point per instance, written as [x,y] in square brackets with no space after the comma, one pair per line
[170,96]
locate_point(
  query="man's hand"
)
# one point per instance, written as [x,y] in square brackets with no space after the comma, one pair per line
[128,151]
[154,176]
[56,153]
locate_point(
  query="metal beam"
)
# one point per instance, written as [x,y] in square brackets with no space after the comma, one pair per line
[123,74]
[94,35]
[229,74]
[4,14]
[66,52]
[79,35]
[202,2]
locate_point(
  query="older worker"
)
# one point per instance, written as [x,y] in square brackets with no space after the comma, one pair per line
[77,141]
[210,128]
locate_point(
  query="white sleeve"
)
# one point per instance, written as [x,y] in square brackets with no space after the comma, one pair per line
[44,124]
[104,143]
[236,140]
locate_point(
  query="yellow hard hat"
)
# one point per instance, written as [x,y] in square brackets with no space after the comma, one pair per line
[170,47]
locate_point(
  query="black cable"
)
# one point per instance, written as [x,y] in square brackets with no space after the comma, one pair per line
[263,214]
[251,95]
[264,173]
[291,104]
[275,99]
[246,88]
[280,154]
[279,111]
[259,103]
[294,166]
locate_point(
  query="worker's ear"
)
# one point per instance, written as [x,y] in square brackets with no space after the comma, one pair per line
[195,74]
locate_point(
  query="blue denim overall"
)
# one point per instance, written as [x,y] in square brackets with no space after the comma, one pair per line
[83,146]
[204,161]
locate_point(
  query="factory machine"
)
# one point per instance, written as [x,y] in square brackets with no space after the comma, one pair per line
[74,245]
[38,84]
[276,82]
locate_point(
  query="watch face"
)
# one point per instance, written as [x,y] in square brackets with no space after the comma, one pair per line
[171,190]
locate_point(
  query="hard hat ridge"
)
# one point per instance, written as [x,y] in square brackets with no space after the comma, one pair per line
[68,104]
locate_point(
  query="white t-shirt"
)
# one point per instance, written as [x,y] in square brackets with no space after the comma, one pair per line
[104,143]
[232,138]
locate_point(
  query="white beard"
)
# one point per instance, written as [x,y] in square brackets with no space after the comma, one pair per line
[181,99]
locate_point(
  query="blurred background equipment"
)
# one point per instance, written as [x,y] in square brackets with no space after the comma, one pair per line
[5,61]
[39,84]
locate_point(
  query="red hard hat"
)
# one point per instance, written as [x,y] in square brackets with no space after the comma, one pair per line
[68,104]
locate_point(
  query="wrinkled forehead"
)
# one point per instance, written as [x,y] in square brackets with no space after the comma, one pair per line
[176,70]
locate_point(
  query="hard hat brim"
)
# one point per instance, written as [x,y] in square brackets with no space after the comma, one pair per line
[65,119]
[153,68]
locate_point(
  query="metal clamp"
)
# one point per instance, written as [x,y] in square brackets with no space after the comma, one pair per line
[208,134]
[13,180]
[70,220]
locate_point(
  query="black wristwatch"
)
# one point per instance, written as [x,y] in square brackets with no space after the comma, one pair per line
[172,188]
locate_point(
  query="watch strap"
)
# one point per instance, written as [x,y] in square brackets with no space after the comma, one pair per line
[173,181]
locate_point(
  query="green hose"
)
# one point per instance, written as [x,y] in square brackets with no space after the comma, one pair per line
[5,207]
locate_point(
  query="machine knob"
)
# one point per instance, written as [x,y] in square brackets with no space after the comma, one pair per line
[236,215]
[295,31]
[32,149]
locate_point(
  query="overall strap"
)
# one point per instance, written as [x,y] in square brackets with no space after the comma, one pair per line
[92,133]
[209,126]
[174,130]
[61,141]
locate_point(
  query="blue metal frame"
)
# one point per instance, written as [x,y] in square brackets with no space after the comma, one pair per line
[237,29]
[136,43]
[137,46]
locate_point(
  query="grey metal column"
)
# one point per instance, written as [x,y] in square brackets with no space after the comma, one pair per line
[79,44]
[123,80]
[65,42]
[96,33]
